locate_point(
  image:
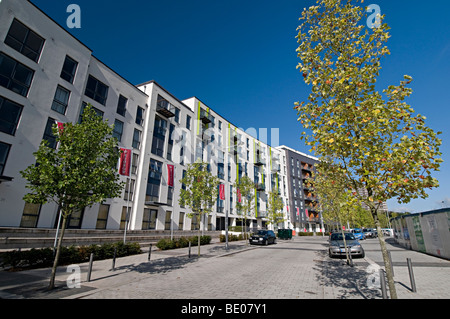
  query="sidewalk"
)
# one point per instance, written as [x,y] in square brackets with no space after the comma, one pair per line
[32,284]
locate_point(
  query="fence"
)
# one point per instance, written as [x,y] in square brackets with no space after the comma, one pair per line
[427,232]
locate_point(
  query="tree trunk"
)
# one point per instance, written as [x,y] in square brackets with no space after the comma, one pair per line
[58,251]
[386,259]
[198,241]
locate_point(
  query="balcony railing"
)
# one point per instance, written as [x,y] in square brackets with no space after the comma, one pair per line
[260,187]
[205,117]
[261,214]
[259,161]
[166,109]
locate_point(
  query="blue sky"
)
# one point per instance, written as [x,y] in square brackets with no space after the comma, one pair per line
[239,58]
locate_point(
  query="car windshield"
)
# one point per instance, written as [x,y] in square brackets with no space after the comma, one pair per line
[337,236]
[262,232]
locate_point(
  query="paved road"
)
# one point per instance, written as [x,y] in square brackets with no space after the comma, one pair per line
[295,269]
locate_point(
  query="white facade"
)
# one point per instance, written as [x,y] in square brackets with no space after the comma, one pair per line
[160,129]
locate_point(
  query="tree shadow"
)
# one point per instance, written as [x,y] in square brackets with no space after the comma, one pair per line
[348,282]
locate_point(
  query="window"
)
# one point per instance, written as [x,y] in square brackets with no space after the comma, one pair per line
[168,224]
[118,130]
[177,115]
[14,75]
[159,136]
[181,221]
[22,39]
[30,215]
[140,116]
[154,181]
[102,217]
[170,196]
[122,105]
[48,133]
[220,126]
[134,163]
[136,139]
[96,90]
[4,151]
[129,190]
[188,122]
[80,118]
[194,223]
[9,116]
[61,100]
[69,69]
[149,219]
[124,218]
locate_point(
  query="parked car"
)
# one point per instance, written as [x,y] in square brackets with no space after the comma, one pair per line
[263,237]
[370,233]
[359,235]
[337,248]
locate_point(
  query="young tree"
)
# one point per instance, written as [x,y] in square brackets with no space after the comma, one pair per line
[200,192]
[245,193]
[80,172]
[335,199]
[275,208]
[377,141]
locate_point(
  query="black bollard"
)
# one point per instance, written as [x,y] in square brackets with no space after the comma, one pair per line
[150,252]
[114,259]
[411,275]
[189,249]
[91,261]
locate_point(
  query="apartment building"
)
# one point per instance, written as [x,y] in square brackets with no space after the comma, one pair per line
[303,203]
[49,76]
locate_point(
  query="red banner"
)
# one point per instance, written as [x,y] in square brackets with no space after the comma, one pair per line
[60,127]
[222,191]
[306,212]
[298,212]
[125,162]
[170,175]
[238,191]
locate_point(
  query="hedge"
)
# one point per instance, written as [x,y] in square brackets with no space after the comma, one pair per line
[231,237]
[167,243]
[39,258]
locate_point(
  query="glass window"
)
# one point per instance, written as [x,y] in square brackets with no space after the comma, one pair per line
[14,75]
[134,163]
[122,105]
[181,221]
[168,224]
[96,90]
[154,181]
[83,106]
[48,133]
[4,151]
[177,115]
[136,139]
[69,69]
[159,136]
[149,218]
[30,215]
[24,40]
[61,100]
[188,122]
[9,116]
[118,130]
[102,217]
[140,116]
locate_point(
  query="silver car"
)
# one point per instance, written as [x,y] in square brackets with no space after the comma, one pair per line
[337,247]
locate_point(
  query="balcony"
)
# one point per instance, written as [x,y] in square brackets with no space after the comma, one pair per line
[276,168]
[205,117]
[259,161]
[261,214]
[164,108]
[260,187]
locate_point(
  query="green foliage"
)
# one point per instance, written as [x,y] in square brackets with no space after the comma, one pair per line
[275,208]
[231,237]
[40,258]
[81,171]
[376,139]
[167,243]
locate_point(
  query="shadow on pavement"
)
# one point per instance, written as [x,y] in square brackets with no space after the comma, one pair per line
[347,282]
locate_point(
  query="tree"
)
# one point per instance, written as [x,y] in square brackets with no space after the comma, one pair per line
[80,172]
[376,140]
[245,194]
[200,192]
[275,208]
[336,201]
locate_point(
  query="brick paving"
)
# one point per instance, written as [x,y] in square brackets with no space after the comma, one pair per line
[293,269]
